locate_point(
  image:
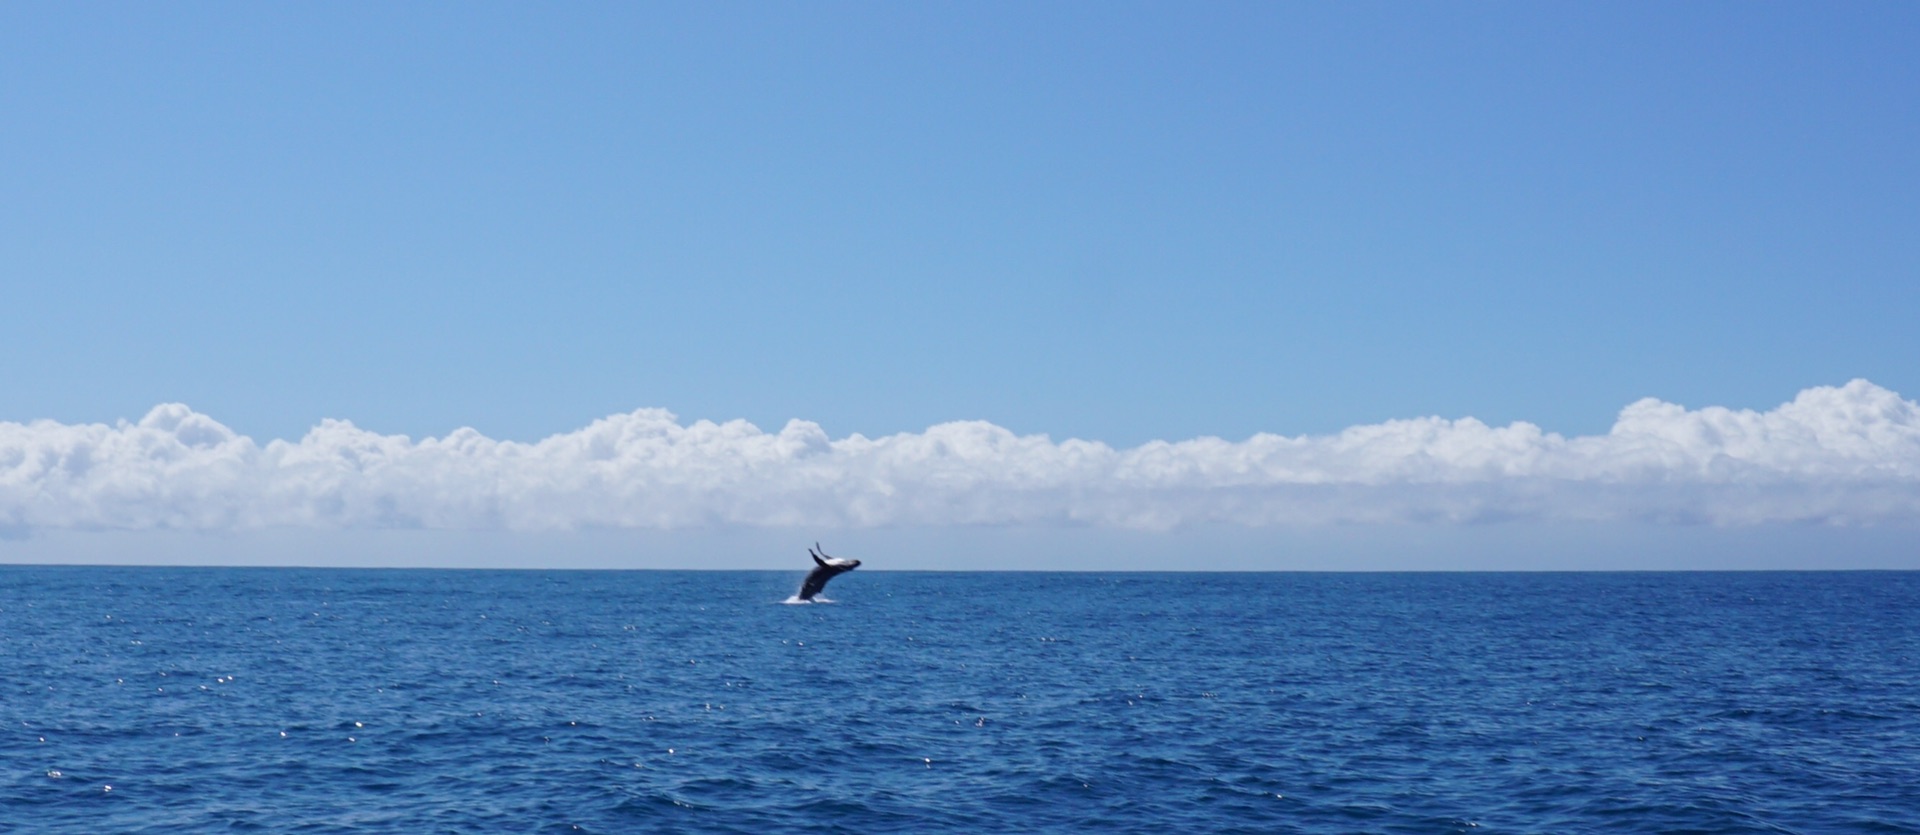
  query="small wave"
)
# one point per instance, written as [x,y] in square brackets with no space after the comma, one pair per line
[1360,724]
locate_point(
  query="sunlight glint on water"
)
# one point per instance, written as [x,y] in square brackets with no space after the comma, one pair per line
[169,700]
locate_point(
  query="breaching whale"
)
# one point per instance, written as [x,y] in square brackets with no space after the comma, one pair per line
[825,568]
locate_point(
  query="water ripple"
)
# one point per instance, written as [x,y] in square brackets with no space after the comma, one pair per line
[169,700]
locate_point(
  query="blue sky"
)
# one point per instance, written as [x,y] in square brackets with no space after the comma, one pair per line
[1122,223]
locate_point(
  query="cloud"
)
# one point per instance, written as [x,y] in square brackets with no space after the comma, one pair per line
[1847,455]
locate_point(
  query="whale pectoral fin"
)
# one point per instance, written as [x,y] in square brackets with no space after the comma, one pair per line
[816,558]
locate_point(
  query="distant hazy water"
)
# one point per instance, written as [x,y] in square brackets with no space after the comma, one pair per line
[466,701]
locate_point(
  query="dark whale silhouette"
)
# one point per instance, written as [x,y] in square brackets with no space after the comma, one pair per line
[825,568]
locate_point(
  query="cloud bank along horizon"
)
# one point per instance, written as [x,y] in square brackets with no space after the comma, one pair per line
[1846,455]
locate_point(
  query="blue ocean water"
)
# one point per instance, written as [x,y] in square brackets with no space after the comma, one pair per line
[293,700]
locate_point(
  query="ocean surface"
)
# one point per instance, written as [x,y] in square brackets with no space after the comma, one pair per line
[144,700]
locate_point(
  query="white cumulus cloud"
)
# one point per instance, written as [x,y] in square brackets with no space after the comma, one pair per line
[1834,455]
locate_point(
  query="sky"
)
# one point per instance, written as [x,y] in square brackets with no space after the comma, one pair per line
[1095,285]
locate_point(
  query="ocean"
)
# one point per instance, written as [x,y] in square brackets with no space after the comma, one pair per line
[172,700]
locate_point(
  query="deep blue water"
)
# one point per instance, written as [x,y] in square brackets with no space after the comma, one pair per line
[292,700]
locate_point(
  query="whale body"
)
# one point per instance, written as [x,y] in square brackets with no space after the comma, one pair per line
[824,568]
